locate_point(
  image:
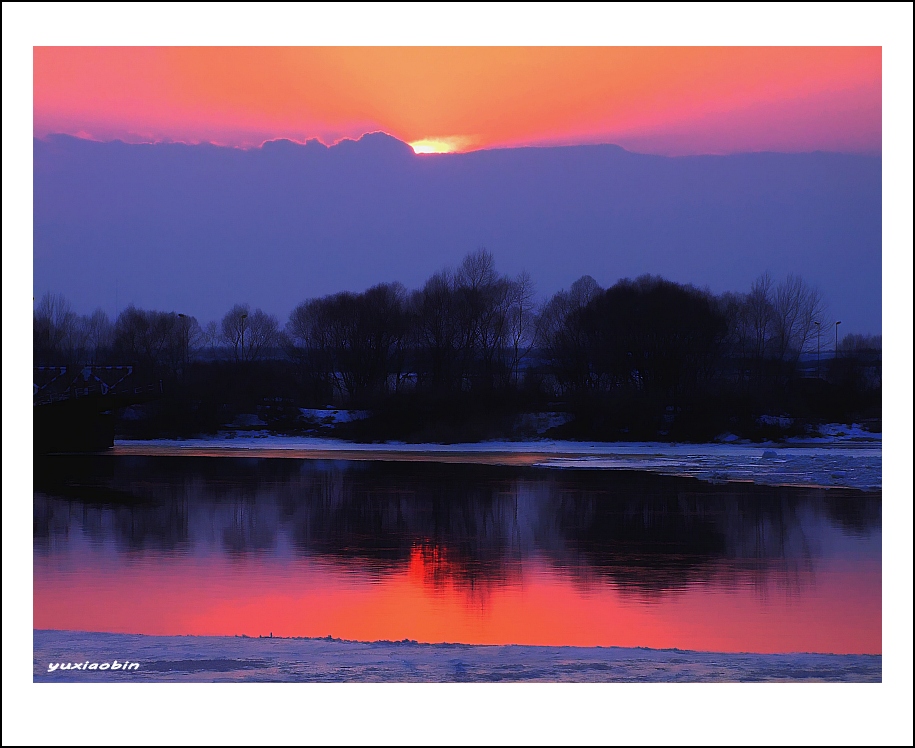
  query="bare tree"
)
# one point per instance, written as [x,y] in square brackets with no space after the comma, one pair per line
[760,316]
[385,320]
[797,308]
[151,339]
[234,325]
[192,336]
[210,337]
[437,332]
[56,333]
[521,322]
[99,334]
[249,333]
[309,332]
[483,298]
[853,344]
[554,313]
[477,270]
[354,342]
[562,338]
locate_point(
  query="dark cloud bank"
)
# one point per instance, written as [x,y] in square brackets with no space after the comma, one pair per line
[196,228]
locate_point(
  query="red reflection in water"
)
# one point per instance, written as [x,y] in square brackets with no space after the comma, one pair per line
[429,600]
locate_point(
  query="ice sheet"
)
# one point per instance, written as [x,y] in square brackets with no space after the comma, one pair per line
[849,458]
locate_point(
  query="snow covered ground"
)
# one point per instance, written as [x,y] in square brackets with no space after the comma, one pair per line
[844,456]
[332,416]
[213,658]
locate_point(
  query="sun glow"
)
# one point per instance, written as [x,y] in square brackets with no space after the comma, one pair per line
[432,146]
[440,145]
[671,100]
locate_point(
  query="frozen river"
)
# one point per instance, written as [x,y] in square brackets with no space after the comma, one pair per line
[494,552]
[849,458]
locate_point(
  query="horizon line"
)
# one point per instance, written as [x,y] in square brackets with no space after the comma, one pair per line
[424,154]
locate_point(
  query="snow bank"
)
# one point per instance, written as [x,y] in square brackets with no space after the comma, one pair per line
[812,462]
[838,433]
[211,658]
[775,466]
[332,416]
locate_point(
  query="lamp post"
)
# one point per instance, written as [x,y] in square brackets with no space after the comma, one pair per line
[243,318]
[185,334]
[838,322]
[818,348]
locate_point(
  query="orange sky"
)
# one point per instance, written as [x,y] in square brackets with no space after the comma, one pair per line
[670,100]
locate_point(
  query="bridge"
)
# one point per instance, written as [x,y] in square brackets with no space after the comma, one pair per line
[73,407]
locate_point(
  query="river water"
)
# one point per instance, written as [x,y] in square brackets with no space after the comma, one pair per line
[477,554]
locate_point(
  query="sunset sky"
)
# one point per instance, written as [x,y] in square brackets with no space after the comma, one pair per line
[81,219]
[113,222]
[662,100]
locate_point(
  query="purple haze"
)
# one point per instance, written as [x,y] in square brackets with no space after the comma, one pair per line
[197,228]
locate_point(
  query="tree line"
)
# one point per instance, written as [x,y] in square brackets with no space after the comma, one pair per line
[649,344]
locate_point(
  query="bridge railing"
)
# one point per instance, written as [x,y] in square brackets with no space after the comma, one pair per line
[96,390]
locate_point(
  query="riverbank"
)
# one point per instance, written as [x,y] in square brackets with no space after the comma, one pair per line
[846,460]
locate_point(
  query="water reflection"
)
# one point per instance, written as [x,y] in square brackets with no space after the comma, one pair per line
[644,531]
[466,530]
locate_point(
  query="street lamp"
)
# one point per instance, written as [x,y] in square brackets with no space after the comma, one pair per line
[243,318]
[838,322]
[818,348]
[186,334]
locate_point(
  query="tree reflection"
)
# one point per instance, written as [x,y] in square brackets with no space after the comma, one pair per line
[467,526]
[650,534]
[853,514]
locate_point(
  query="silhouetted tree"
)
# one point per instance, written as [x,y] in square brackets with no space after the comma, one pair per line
[760,317]
[57,336]
[797,307]
[152,340]
[564,342]
[771,326]
[637,353]
[192,337]
[311,346]
[377,327]
[858,367]
[437,335]
[628,353]
[355,341]
[210,338]
[99,335]
[251,334]
[654,336]
[853,344]
[483,304]
[472,328]
[522,323]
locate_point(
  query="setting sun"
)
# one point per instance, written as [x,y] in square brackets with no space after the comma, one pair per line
[436,145]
